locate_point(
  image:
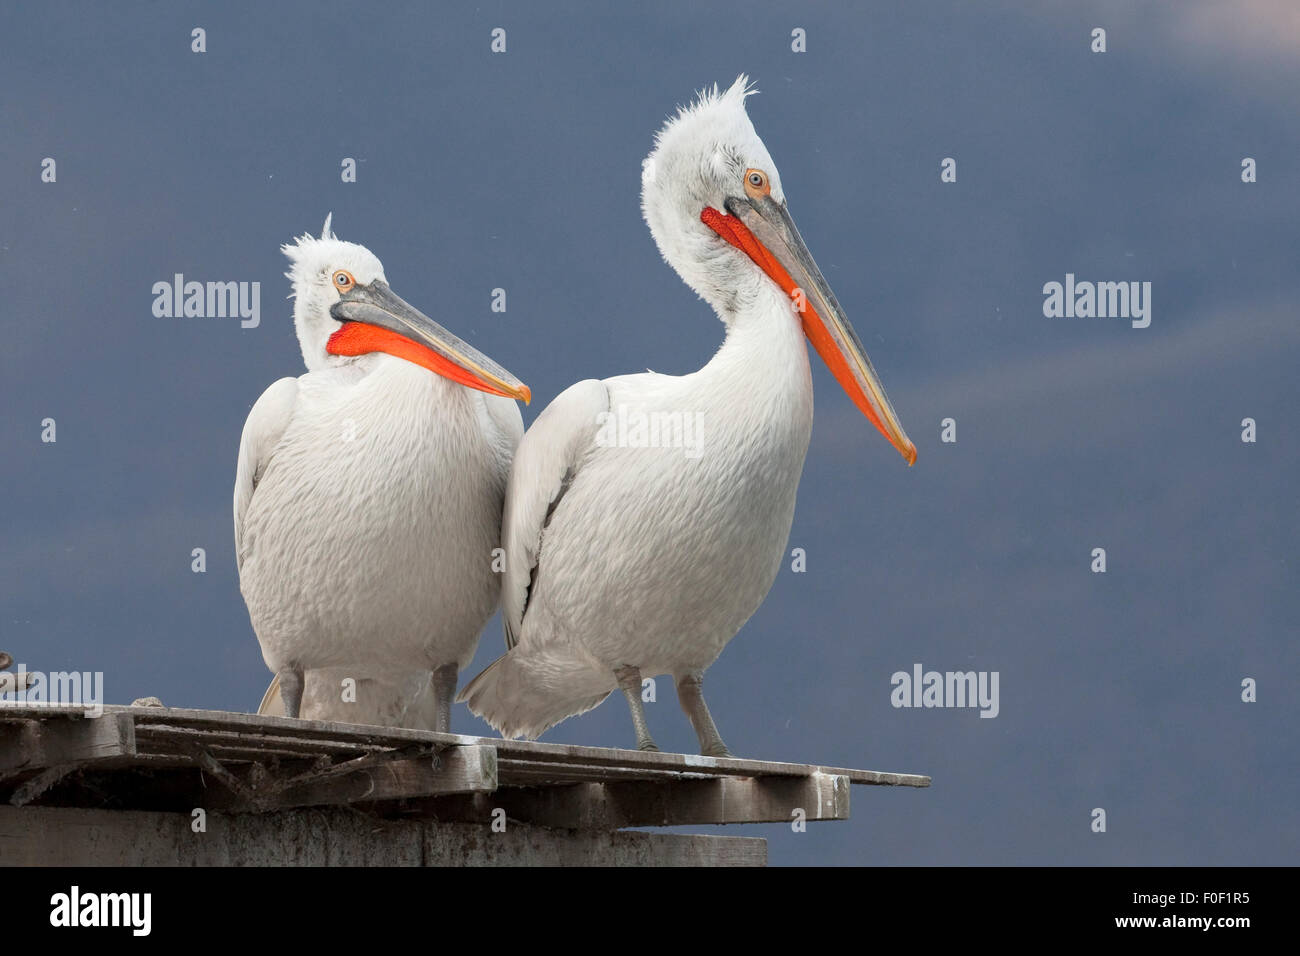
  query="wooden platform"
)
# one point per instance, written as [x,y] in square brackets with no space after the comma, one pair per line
[153,760]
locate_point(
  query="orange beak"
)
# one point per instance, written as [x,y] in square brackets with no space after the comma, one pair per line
[763,230]
[375,319]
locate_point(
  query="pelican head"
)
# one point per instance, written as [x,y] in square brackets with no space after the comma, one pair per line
[713,200]
[343,308]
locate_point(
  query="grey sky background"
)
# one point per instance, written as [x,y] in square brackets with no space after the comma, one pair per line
[522,171]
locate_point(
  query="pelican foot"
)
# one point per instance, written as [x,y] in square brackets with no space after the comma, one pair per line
[291,685]
[690,693]
[629,681]
[444,690]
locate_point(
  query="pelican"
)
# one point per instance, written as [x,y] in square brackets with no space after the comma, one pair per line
[368,496]
[624,561]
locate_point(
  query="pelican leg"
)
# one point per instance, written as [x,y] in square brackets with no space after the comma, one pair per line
[690,695]
[291,685]
[444,692]
[629,681]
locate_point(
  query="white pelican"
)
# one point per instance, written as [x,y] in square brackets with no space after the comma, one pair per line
[630,561]
[368,492]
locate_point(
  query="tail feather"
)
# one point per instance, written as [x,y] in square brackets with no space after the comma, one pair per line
[523,695]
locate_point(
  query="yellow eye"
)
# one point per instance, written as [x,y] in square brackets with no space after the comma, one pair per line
[343,280]
[756,183]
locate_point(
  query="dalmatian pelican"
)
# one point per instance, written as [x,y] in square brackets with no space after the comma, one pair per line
[627,559]
[368,498]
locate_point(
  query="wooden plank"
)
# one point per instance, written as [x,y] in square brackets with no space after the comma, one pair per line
[723,800]
[289,727]
[235,754]
[458,770]
[162,738]
[366,761]
[242,793]
[345,734]
[64,740]
[33,787]
[692,763]
[243,754]
[614,806]
[515,772]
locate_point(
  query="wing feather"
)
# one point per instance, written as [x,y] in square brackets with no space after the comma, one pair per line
[548,459]
[262,433]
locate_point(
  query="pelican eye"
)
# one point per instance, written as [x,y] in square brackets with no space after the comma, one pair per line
[756,184]
[343,280]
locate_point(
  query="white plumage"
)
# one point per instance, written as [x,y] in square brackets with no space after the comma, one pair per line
[632,561]
[397,699]
[367,506]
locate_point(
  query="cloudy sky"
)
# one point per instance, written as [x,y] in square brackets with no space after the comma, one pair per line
[521,170]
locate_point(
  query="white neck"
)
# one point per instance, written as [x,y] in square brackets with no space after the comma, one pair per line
[761,373]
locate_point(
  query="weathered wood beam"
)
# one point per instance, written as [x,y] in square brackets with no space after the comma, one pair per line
[455,771]
[319,772]
[59,741]
[33,787]
[165,727]
[613,806]
[458,770]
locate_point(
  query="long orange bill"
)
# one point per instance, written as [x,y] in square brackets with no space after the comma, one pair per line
[764,231]
[376,319]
